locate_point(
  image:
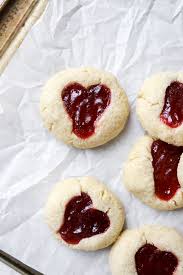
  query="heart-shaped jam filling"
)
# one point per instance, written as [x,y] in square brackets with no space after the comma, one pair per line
[165,162]
[150,260]
[82,221]
[172,113]
[85,106]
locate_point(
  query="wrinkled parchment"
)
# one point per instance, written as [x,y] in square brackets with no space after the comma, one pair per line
[132,39]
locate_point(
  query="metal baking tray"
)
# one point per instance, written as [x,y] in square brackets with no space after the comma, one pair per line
[3,3]
[13,16]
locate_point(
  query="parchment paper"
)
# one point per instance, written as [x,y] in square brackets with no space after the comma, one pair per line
[132,39]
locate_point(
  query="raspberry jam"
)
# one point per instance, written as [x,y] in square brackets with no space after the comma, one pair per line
[172,113]
[82,221]
[165,162]
[85,106]
[150,260]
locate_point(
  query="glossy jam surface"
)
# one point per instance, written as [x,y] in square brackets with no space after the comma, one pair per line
[172,113]
[165,162]
[150,260]
[82,221]
[85,106]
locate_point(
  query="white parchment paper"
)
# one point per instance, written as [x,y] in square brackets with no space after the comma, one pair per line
[132,39]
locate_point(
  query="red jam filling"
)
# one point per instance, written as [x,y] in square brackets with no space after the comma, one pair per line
[165,162]
[150,260]
[85,106]
[172,113]
[82,221]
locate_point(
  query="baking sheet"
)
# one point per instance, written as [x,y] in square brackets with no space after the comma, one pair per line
[3,3]
[132,39]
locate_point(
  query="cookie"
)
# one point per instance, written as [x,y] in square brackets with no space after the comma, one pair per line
[84,214]
[154,173]
[150,250]
[84,107]
[159,107]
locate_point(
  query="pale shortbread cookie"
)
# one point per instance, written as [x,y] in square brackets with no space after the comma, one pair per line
[102,199]
[138,177]
[122,256]
[150,103]
[57,120]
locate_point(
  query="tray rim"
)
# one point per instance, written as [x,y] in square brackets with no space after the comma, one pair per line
[3,4]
